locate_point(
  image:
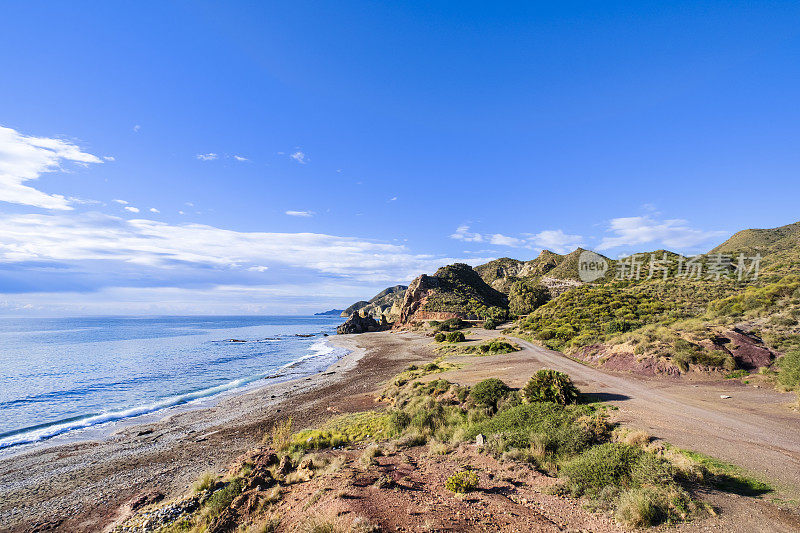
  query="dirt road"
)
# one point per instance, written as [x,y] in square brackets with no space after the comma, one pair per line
[753,429]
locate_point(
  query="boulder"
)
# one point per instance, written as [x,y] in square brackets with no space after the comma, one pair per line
[358,324]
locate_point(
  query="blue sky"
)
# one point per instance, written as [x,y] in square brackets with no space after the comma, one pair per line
[254,157]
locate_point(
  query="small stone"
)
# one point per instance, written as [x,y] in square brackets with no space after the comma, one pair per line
[480,439]
[724,396]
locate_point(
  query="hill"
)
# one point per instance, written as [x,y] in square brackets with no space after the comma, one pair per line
[332,312]
[454,291]
[385,302]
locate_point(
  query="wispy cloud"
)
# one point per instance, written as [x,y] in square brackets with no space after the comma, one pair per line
[154,210]
[555,240]
[24,158]
[240,158]
[93,238]
[109,158]
[131,209]
[300,157]
[136,128]
[676,234]
[300,213]
[207,157]
[120,202]
[462,233]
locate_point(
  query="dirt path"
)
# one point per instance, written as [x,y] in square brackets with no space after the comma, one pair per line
[753,429]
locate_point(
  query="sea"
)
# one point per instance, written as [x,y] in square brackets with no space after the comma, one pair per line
[60,376]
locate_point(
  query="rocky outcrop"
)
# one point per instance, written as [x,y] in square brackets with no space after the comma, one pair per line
[747,349]
[358,324]
[387,302]
[454,291]
[621,359]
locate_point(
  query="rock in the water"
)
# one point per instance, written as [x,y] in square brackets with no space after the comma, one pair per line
[358,324]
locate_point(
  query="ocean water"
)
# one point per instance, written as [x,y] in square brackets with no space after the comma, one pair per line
[59,375]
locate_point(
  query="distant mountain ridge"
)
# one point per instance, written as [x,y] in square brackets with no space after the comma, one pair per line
[462,291]
[332,312]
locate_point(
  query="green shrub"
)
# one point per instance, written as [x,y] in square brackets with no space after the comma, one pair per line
[496,346]
[490,324]
[641,507]
[524,297]
[615,464]
[455,336]
[462,482]
[488,392]
[789,373]
[398,421]
[223,497]
[557,427]
[548,385]
[451,324]
[439,337]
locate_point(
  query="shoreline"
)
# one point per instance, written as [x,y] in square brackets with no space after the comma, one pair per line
[81,485]
[117,421]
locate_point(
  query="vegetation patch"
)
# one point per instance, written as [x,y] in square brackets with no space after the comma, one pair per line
[548,385]
[462,482]
[342,430]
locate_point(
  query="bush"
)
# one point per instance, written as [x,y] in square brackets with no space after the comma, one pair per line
[280,435]
[618,465]
[642,507]
[558,428]
[439,337]
[789,373]
[462,482]
[451,324]
[488,392]
[204,482]
[551,386]
[524,297]
[496,346]
[490,323]
[223,497]
[455,336]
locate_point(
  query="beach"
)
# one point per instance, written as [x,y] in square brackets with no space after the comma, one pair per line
[85,486]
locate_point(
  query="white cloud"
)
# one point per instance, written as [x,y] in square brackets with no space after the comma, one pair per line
[393,199]
[136,128]
[556,241]
[109,158]
[24,158]
[259,268]
[300,213]
[499,239]
[131,209]
[300,157]
[120,202]
[154,210]
[207,157]
[240,158]
[463,234]
[181,213]
[674,233]
[153,244]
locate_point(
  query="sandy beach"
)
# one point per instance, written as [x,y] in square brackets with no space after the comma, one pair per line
[84,486]
[89,486]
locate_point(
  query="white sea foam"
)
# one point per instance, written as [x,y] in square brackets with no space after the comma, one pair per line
[34,434]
